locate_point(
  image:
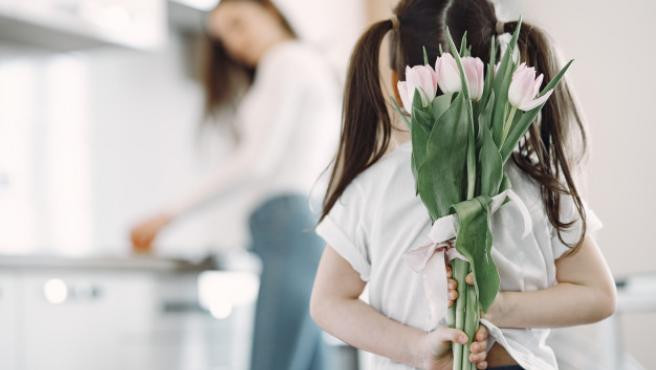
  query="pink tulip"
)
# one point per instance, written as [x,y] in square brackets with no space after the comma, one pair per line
[448,77]
[524,88]
[421,78]
[475,79]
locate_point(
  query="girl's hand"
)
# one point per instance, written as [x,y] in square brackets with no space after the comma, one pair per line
[434,347]
[453,286]
[143,235]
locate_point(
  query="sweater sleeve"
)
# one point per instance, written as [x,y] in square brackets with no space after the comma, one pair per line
[266,118]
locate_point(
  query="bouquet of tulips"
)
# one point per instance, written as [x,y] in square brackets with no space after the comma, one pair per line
[461,141]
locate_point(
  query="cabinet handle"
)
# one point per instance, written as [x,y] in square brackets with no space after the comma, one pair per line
[57,291]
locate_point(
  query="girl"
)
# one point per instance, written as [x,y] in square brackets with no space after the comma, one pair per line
[554,277]
[287,103]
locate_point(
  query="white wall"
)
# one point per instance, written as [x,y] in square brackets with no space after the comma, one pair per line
[612,43]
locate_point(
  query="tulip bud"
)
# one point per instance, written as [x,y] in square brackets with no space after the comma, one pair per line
[448,76]
[475,78]
[421,78]
[524,88]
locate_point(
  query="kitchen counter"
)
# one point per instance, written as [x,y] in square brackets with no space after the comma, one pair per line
[637,293]
[222,261]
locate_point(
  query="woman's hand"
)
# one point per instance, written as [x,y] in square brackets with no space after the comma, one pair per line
[434,347]
[143,234]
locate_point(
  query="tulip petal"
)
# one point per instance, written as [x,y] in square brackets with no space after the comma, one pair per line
[536,102]
[537,85]
[448,75]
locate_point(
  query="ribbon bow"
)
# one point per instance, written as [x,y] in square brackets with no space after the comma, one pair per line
[430,260]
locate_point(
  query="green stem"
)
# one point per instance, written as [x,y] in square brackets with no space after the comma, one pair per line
[507,124]
[471,323]
[451,316]
[459,272]
[471,156]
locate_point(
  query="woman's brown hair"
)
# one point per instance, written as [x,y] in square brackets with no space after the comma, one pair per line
[223,76]
[543,154]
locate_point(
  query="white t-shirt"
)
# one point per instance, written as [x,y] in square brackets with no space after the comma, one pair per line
[288,121]
[378,218]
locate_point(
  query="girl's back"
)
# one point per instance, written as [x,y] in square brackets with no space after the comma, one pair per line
[379,219]
[377,229]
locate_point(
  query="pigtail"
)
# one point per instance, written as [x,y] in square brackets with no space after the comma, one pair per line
[366,124]
[546,153]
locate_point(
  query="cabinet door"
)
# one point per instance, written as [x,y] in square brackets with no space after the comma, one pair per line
[8,322]
[87,320]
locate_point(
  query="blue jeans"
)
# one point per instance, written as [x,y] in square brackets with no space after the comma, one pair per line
[285,338]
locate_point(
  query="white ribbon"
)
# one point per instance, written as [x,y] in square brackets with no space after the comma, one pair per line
[430,260]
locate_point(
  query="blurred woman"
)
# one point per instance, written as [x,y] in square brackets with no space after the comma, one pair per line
[285,103]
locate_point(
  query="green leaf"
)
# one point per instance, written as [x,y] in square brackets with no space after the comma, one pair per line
[490,160]
[419,136]
[521,126]
[489,73]
[556,80]
[474,241]
[421,132]
[463,44]
[420,114]
[502,80]
[440,105]
[441,176]
[471,139]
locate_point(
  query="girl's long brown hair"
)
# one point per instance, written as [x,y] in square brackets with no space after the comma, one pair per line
[544,153]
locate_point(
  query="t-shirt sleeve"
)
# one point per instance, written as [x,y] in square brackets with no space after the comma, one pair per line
[572,234]
[343,229]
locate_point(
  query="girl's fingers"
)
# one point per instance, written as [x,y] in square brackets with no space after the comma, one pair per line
[453,295]
[481,333]
[478,347]
[481,365]
[470,278]
[448,271]
[451,335]
[453,284]
[477,357]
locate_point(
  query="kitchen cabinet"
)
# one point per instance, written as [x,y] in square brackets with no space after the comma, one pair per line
[118,313]
[8,321]
[86,320]
[77,24]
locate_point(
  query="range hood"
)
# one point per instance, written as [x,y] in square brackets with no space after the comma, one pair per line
[78,24]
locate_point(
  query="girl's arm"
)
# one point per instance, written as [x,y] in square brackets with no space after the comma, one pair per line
[584,293]
[336,307]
